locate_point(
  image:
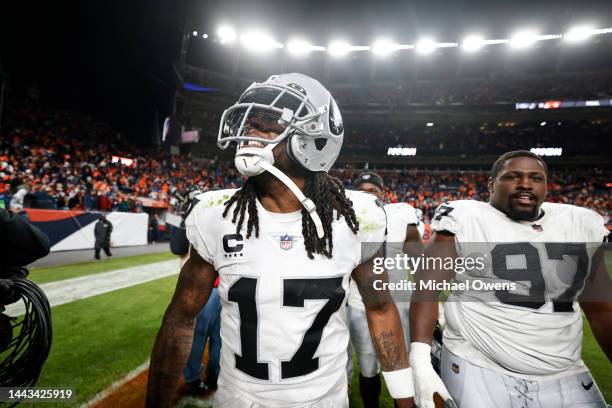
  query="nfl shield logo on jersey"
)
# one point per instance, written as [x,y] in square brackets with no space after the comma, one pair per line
[286,242]
[537,227]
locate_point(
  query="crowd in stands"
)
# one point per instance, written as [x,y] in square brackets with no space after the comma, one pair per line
[65,161]
[395,95]
[61,160]
[474,91]
[491,138]
[456,137]
[425,189]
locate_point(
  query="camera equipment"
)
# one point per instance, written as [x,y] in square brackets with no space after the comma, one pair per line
[25,340]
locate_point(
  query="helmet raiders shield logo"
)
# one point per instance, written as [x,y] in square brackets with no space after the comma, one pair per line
[336,126]
[286,242]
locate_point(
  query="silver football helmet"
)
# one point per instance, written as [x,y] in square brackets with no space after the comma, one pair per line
[309,119]
[305,109]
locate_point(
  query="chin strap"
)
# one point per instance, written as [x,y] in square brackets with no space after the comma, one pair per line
[306,202]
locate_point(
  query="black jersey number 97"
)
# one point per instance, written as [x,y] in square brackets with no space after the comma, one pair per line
[532,273]
[295,291]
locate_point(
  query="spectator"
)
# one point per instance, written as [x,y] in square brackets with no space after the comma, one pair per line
[102,232]
[18,198]
[154,227]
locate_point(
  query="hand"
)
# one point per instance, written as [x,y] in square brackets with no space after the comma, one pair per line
[426,380]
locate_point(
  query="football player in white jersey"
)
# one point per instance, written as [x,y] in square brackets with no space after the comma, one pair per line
[284,246]
[516,342]
[402,237]
[421,224]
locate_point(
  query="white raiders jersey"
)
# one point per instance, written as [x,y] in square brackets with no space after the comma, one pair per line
[283,318]
[399,217]
[535,330]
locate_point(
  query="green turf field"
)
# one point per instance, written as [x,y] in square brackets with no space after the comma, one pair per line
[97,341]
[44,275]
[100,339]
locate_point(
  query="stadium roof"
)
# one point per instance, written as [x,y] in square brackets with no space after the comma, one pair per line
[114,58]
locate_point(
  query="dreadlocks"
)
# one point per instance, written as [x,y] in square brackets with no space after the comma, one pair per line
[325,191]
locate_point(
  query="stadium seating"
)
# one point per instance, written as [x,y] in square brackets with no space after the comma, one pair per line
[64,161]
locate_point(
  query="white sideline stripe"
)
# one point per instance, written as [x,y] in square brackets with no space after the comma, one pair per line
[70,290]
[195,402]
[116,385]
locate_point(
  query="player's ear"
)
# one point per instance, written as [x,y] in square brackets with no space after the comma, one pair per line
[490,184]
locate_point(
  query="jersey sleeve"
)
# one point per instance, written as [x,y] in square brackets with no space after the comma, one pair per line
[195,228]
[594,225]
[410,214]
[446,218]
[372,224]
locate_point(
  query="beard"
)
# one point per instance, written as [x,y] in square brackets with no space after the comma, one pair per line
[520,214]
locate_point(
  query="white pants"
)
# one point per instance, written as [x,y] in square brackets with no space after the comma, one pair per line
[362,341]
[226,397]
[472,386]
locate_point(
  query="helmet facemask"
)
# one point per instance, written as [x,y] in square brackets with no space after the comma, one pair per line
[283,104]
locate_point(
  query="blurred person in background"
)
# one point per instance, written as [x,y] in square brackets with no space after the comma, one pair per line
[102,232]
[18,197]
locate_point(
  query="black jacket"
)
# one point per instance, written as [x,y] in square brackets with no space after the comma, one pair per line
[102,232]
[20,242]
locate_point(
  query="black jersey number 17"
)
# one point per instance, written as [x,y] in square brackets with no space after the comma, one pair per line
[295,291]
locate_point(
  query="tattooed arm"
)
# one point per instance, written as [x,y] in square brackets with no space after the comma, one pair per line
[383,321]
[174,339]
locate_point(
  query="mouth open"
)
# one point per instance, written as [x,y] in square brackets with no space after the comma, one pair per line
[251,143]
[524,198]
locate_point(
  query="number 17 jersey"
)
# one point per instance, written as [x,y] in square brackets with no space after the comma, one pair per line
[283,318]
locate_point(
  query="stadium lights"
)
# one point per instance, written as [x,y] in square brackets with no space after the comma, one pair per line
[473,43]
[547,37]
[299,47]
[429,124]
[339,48]
[195,33]
[259,41]
[383,47]
[578,34]
[542,123]
[523,39]
[227,34]
[426,46]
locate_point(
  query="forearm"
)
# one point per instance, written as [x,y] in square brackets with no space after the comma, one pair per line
[168,359]
[388,337]
[600,320]
[173,342]
[424,303]
[423,317]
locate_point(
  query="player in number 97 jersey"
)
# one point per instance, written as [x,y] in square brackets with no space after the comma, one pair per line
[283,246]
[517,343]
